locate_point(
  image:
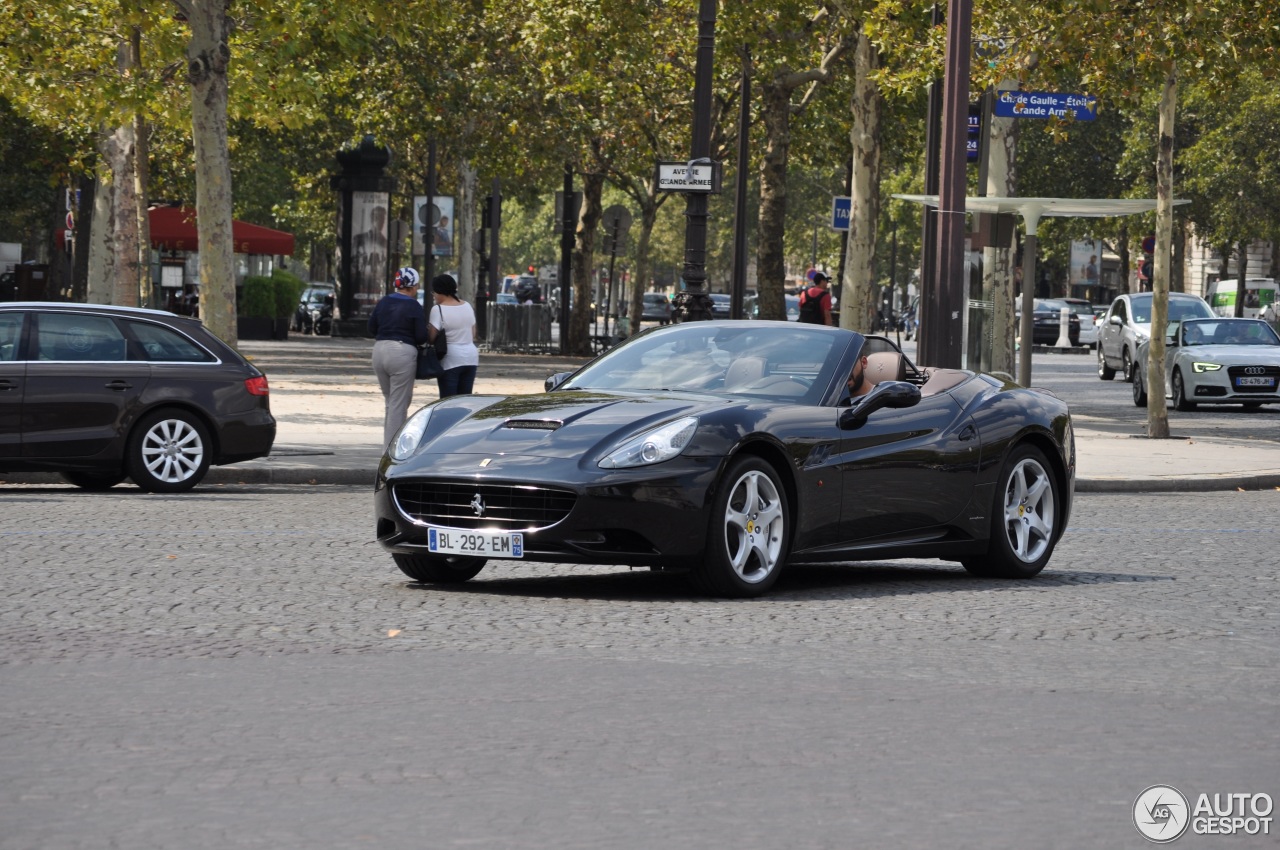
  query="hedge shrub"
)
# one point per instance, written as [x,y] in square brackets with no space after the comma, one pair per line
[288,290]
[257,298]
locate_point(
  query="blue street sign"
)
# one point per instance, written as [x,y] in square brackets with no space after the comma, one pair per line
[840,207]
[1041,104]
[975,134]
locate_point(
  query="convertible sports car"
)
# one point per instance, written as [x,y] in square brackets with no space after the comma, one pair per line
[728,449]
[1216,361]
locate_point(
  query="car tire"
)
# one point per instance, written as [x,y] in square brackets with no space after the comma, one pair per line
[1105,372]
[749,534]
[1139,390]
[1180,393]
[169,451]
[94,480]
[1024,518]
[439,569]
[1126,363]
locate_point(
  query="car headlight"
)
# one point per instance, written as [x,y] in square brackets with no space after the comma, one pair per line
[1141,337]
[406,442]
[1206,367]
[662,443]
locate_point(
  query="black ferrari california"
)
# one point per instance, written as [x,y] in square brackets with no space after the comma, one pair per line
[727,450]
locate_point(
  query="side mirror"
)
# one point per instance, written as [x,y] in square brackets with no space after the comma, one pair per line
[1115,320]
[894,394]
[555,380]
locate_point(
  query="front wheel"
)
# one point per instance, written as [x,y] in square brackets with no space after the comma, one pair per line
[1024,518]
[169,452]
[1139,390]
[1126,364]
[1105,372]
[1180,393]
[748,538]
[439,569]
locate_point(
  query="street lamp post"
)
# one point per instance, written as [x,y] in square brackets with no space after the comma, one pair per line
[694,300]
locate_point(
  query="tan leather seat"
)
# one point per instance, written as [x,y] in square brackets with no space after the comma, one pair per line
[743,371]
[884,366]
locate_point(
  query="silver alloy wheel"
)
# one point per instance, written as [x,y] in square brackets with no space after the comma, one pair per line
[753,527]
[172,450]
[1029,510]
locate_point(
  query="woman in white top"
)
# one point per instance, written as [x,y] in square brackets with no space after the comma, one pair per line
[457,321]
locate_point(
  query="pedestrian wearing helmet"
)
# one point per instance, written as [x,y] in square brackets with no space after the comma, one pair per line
[399,326]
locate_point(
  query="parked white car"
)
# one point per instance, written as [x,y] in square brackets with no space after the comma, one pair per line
[1128,324]
[1216,361]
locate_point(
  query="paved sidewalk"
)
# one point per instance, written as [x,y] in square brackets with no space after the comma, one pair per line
[329,410]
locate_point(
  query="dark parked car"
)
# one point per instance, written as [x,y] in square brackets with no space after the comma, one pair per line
[1047,322]
[726,450]
[657,308]
[104,393]
[721,306]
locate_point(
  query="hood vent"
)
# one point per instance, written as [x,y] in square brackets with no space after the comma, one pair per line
[534,424]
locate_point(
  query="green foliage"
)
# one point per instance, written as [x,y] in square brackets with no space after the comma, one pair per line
[257,298]
[287,289]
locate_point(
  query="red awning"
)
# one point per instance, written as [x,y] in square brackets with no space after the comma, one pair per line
[174,229]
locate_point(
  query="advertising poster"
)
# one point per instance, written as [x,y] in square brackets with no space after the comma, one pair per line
[369,248]
[1086,266]
[433,225]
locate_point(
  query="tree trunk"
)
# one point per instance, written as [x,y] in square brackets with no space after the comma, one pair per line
[1122,249]
[859,287]
[465,220]
[640,279]
[1242,274]
[584,250]
[1157,411]
[101,271]
[141,177]
[775,103]
[208,56]
[122,152]
[998,272]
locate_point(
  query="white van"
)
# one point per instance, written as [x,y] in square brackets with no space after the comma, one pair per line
[1258,293]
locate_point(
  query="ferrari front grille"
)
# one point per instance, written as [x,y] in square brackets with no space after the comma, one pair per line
[497,506]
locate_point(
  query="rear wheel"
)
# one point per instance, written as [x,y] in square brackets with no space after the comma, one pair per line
[1139,390]
[1023,520]
[1105,372]
[169,451]
[439,569]
[748,538]
[94,480]
[1180,393]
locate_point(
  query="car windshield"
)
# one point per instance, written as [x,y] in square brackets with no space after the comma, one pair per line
[1081,308]
[1228,332]
[1180,309]
[794,363]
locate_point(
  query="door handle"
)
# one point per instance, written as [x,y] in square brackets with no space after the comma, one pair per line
[119,385]
[967,433]
[7,385]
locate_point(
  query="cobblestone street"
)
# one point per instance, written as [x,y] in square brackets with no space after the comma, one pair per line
[245,667]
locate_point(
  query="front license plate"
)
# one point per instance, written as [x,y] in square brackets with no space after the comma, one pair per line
[1255,382]
[485,544]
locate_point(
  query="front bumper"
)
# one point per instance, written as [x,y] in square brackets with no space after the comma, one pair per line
[653,516]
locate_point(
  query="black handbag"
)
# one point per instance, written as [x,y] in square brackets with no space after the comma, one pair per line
[442,342]
[428,363]
[431,354]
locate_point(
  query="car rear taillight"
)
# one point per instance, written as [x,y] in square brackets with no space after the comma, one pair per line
[257,386]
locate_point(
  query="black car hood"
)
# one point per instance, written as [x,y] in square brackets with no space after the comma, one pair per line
[571,424]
